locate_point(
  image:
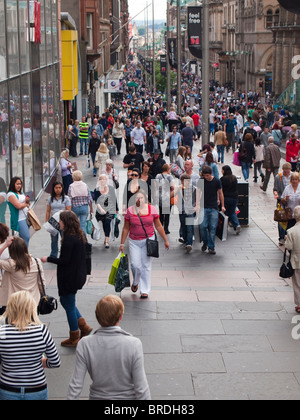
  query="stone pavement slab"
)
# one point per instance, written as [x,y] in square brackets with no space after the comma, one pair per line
[214,327]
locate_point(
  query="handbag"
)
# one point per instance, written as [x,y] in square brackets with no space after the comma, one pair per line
[151,244]
[33,220]
[47,304]
[282,215]
[286,269]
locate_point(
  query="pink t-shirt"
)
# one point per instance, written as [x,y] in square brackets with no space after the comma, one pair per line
[136,231]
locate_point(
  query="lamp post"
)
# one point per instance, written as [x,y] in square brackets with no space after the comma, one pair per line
[205,74]
[178,60]
[154,80]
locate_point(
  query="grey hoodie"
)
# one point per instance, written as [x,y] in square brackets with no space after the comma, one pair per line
[115,362]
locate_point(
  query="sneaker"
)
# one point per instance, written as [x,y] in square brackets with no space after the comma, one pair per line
[238,230]
[204,248]
[211,251]
[181,240]
[188,248]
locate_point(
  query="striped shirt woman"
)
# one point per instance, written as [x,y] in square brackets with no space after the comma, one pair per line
[26,348]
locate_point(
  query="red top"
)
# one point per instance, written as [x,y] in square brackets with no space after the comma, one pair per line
[136,231]
[292,151]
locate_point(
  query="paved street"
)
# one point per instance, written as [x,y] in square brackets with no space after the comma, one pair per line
[214,327]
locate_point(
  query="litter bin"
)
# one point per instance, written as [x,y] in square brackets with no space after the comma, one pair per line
[243,203]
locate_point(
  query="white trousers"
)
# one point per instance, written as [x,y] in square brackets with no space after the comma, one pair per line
[140,265]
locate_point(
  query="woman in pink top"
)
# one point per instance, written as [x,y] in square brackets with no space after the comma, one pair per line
[139,261]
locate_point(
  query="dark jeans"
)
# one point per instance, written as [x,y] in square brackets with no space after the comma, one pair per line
[118,143]
[164,217]
[187,227]
[230,205]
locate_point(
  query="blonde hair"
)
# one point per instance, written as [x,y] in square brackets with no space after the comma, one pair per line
[295,175]
[109,310]
[77,175]
[103,148]
[21,310]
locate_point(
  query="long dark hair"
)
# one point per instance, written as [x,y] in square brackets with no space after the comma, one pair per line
[12,184]
[53,195]
[71,225]
[228,172]
[18,251]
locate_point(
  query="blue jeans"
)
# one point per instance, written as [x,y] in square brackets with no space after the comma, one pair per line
[54,245]
[22,396]
[68,302]
[220,149]
[187,228]
[24,231]
[245,169]
[82,213]
[93,156]
[230,205]
[208,227]
[86,143]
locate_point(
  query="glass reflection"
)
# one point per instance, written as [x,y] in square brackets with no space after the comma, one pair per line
[12,37]
[3,73]
[27,137]
[24,38]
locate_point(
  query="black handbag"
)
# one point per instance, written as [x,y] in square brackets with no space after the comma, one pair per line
[47,304]
[151,244]
[286,269]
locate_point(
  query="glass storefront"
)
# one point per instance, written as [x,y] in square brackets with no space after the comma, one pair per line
[30,105]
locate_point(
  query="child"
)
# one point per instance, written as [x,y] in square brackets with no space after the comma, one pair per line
[112,148]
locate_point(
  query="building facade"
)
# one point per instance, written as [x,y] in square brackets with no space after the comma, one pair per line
[31,123]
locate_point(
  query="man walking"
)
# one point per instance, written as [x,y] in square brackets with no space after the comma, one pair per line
[209,216]
[230,129]
[271,162]
[83,135]
[174,141]
[138,137]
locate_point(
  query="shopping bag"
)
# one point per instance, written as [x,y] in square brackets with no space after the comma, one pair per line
[236,159]
[52,226]
[33,220]
[122,277]
[89,227]
[222,228]
[114,269]
[116,228]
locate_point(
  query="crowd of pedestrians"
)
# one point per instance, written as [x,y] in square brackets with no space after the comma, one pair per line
[166,166]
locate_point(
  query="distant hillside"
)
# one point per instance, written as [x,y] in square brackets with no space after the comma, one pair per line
[157,23]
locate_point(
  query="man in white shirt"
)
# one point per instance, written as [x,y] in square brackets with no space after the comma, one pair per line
[138,137]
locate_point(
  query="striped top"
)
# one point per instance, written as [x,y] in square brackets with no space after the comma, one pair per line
[84,132]
[21,355]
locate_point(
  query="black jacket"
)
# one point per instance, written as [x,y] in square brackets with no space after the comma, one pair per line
[71,265]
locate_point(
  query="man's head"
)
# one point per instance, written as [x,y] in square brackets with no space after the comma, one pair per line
[188,166]
[286,169]
[109,311]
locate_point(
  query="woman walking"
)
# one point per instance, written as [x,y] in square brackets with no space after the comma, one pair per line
[58,201]
[66,167]
[28,351]
[71,274]
[140,262]
[230,191]
[20,271]
[18,205]
[106,205]
[81,199]
[118,134]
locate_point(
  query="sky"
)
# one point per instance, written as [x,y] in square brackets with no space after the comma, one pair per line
[136,6]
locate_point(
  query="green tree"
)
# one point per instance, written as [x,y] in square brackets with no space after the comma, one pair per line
[161,80]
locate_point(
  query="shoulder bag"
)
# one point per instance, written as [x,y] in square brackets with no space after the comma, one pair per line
[286,269]
[47,304]
[152,244]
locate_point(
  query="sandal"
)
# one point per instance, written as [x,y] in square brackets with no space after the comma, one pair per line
[144,296]
[134,289]
[297,309]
